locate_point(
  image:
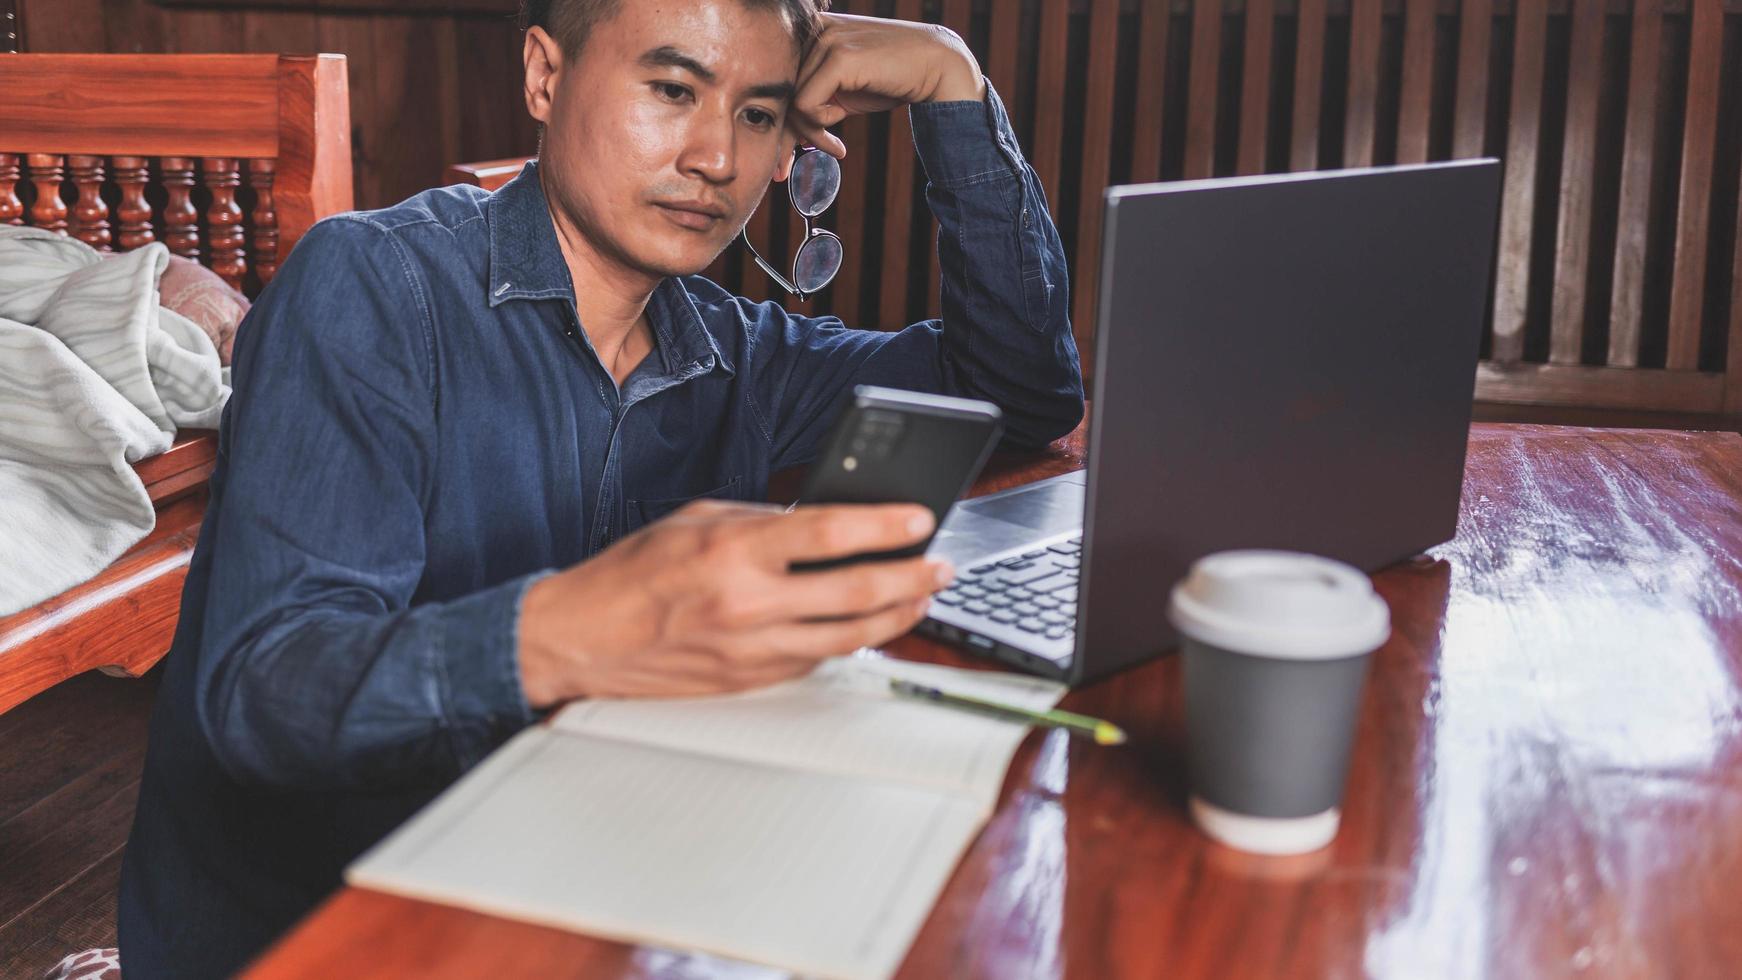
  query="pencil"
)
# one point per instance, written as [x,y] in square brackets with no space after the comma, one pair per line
[1103,732]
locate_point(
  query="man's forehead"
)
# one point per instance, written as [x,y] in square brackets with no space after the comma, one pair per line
[725,41]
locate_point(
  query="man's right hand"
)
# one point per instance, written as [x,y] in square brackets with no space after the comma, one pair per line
[703,602]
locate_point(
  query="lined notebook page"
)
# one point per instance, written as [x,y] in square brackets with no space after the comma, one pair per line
[841,719]
[823,874]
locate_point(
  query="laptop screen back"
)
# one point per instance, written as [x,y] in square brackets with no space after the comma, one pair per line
[1282,362]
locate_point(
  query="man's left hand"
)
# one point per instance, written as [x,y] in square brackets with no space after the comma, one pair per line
[871,64]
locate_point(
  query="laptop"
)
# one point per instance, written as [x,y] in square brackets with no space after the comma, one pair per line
[1282,361]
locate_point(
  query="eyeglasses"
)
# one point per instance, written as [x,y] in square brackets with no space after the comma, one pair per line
[812,185]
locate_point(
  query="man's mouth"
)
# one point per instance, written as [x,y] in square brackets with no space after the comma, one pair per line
[694,215]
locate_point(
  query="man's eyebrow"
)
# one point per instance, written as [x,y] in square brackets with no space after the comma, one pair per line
[666,56]
[779,91]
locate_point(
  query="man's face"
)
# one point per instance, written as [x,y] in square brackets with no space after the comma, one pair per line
[662,134]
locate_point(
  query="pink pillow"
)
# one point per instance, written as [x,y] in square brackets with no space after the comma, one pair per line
[202,296]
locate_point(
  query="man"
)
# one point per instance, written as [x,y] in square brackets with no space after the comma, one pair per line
[451,484]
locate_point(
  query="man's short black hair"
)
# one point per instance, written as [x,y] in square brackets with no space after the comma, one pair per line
[570,21]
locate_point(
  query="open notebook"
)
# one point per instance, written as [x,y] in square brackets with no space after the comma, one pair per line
[808,826]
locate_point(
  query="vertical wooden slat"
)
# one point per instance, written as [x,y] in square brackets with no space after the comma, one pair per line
[1733,367]
[133,211]
[224,218]
[1512,278]
[11,207]
[1206,63]
[1470,111]
[181,231]
[1359,117]
[1626,298]
[46,173]
[1151,97]
[898,257]
[756,286]
[1049,96]
[849,218]
[265,217]
[1255,88]
[1734,352]
[1693,205]
[1003,48]
[1097,153]
[1415,101]
[1309,66]
[90,214]
[1578,157]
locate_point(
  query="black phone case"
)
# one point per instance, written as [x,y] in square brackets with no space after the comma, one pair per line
[890,446]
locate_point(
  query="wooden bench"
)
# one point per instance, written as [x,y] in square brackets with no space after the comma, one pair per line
[107,148]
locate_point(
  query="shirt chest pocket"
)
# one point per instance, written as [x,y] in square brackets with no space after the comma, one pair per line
[645,511]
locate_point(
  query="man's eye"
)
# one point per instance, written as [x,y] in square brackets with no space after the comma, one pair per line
[671,91]
[760,118]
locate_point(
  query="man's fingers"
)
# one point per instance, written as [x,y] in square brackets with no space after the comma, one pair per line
[860,589]
[815,532]
[829,639]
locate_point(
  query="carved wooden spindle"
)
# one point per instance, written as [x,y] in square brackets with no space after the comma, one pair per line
[134,212]
[224,218]
[90,214]
[180,229]
[260,174]
[47,170]
[11,208]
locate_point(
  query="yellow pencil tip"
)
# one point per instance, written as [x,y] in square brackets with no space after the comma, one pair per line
[1107,733]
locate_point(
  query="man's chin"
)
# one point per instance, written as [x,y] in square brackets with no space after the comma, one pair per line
[685,261]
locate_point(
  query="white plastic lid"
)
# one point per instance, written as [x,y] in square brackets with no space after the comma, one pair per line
[1280,604]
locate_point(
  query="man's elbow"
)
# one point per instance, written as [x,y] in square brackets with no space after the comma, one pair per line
[1045,421]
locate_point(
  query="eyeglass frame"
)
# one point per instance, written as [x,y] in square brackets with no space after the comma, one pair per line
[811,233]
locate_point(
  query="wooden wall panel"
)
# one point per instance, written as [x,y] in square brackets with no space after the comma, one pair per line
[1416,98]
[1517,212]
[1578,161]
[1360,120]
[1627,290]
[1202,98]
[1610,219]
[1255,88]
[1693,211]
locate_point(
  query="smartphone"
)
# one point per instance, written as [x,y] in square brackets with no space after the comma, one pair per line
[891,446]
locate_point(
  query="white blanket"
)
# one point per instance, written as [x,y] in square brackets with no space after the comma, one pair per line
[94,375]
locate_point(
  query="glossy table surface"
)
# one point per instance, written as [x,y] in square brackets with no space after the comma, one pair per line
[1547,777]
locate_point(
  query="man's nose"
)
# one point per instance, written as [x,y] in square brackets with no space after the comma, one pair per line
[711,152]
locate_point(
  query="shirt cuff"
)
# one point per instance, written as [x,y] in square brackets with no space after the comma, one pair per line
[962,143]
[480,654]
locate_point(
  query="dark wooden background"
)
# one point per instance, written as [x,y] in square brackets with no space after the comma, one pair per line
[1618,280]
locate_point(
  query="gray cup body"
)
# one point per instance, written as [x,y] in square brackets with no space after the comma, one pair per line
[1269,737]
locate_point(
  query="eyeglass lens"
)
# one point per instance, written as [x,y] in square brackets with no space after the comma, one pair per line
[818,259]
[814,182]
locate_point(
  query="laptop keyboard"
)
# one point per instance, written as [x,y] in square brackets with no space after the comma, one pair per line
[1035,592]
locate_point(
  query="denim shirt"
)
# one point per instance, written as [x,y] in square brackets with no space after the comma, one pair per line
[419,430]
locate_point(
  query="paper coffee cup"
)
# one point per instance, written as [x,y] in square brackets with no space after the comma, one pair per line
[1276,646]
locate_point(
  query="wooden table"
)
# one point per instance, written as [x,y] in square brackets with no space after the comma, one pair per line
[1547,778]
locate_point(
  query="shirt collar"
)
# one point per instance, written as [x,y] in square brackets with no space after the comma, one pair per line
[527,263]
[525,260]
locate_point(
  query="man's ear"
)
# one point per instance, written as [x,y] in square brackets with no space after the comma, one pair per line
[543,58]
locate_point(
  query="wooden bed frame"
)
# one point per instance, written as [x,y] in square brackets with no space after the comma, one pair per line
[107,148]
